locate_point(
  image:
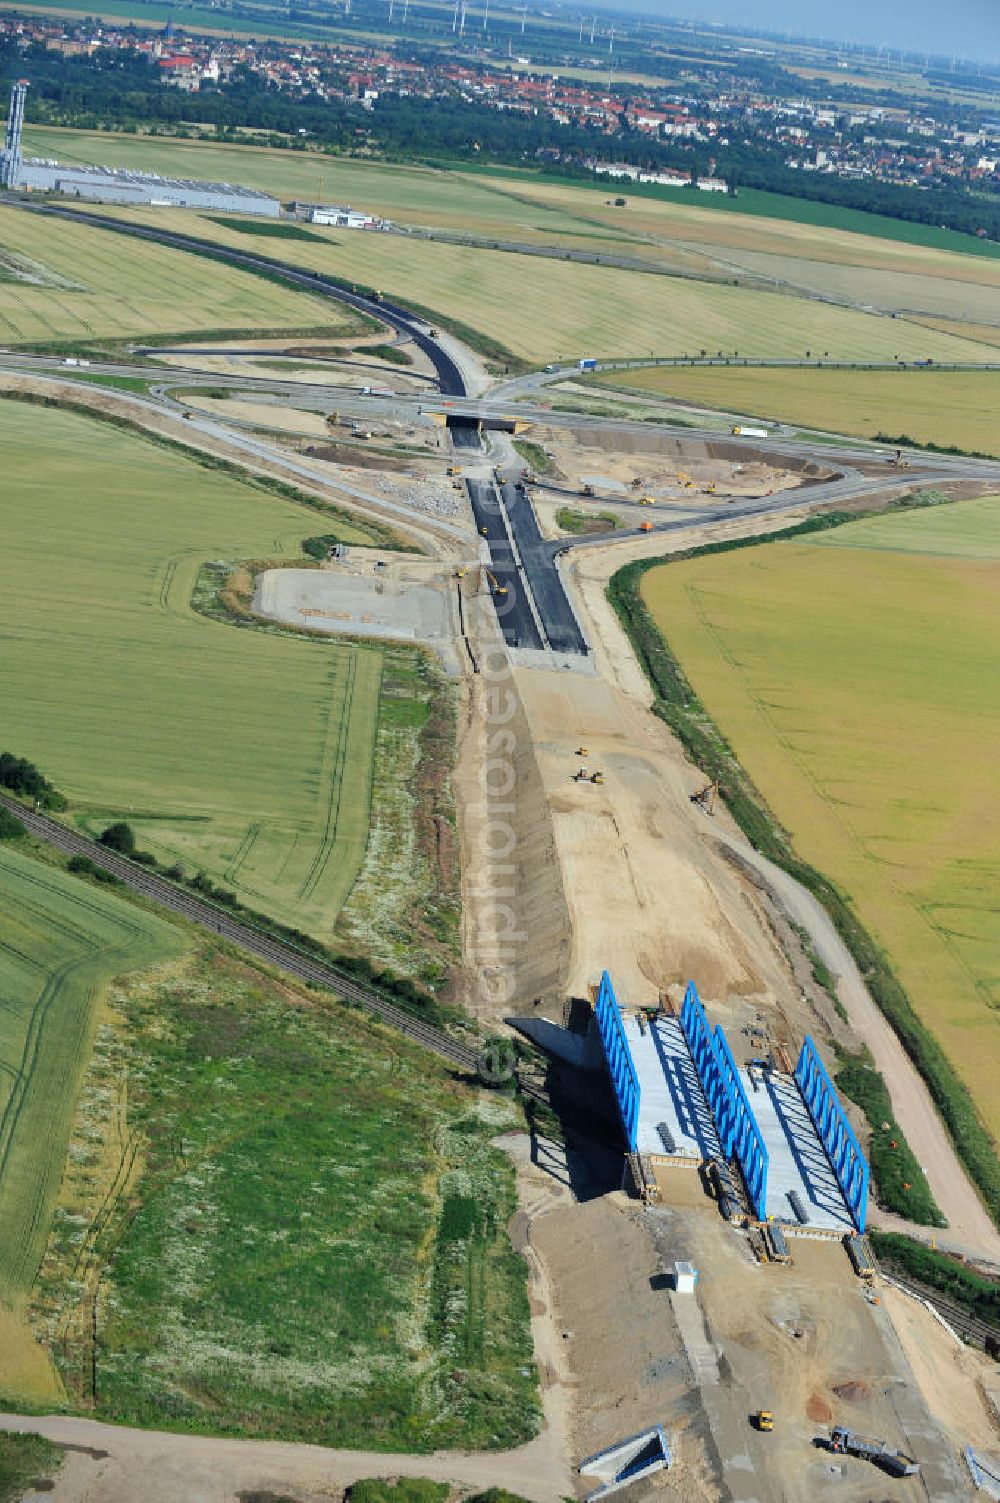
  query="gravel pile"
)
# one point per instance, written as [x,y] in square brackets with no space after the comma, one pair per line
[431,496]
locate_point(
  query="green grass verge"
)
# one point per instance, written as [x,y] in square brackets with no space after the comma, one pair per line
[277,229]
[403,1490]
[533,455]
[26,1462]
[902,1184]
[677,704]
[388,352]
[285,1265]
[939,1271]
[585,521]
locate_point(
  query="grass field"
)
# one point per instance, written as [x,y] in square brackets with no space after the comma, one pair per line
[758,239]
[545,309]
[526,205]
[940,407]
[243,754]
[854,676]
[88,286]
[316,1246]
[61,940]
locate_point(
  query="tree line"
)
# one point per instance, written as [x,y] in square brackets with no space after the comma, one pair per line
[116,89]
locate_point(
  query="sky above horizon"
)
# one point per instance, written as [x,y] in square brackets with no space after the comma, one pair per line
[966,28]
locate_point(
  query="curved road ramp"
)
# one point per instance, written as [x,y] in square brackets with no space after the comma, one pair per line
[628,1461]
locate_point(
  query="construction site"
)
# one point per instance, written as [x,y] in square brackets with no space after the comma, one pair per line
[710,1321]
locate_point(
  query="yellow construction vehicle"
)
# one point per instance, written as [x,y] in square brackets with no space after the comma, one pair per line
[686,478]
[597,777]
[500,589]
[461,573]
[764,1420]
[485,531]
[647,500]
[454,470]
[582,751]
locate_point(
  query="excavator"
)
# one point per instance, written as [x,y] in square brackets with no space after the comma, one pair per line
[707,797]
[497,587]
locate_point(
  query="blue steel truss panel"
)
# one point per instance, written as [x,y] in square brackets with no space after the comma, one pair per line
[699,1040]
[748,1144]
[835,1132]
[621,1066]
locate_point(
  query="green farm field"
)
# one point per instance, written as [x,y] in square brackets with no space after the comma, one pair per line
[545,309]
[941,407]
[61,941]
[315,1244]
[76,283]
[854,675]
[242,754]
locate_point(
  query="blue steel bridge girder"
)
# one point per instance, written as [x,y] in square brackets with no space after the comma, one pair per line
[734,1119]
[621,1066]
[835,1132]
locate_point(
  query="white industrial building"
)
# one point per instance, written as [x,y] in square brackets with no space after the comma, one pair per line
[343,217]
[115,185]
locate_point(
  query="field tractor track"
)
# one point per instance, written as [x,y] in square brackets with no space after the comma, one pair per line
[328,834]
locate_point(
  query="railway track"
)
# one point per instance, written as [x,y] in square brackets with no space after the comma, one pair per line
[972,1328]
[485,1063]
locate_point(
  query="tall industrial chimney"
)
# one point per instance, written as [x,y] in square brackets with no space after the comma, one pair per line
[10,157]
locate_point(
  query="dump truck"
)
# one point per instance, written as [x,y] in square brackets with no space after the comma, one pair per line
[850,1443]
[763,1420]
[647,500]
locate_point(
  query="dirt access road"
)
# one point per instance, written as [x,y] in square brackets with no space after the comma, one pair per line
[110,1464]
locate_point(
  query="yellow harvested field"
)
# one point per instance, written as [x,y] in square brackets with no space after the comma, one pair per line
[684,220]
[893,289]
[75,282]
[855,676]
[985,333]
[942,407]
[545,309]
